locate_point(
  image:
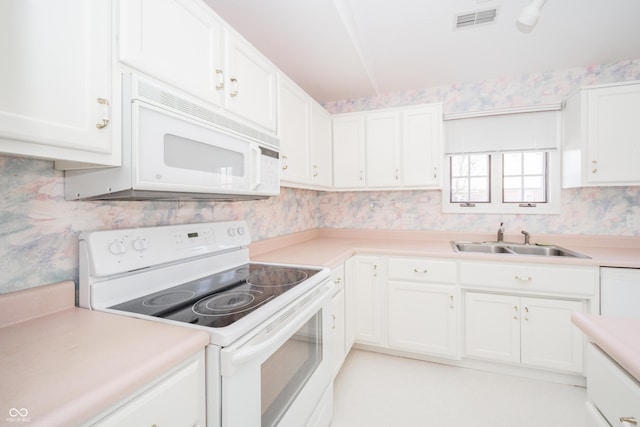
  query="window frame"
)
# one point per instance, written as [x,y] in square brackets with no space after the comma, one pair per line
[496,205]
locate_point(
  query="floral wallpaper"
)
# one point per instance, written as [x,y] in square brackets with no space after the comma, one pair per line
[39,229]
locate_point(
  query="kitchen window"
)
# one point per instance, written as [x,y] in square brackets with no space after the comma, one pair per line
[522,182]
[502,163]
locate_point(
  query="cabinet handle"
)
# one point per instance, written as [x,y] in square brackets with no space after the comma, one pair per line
[334,321]
[315,170]
[526,316]
[523,278]
[451,302]
[220,75]
[397,174]
[515,310]
[285,166]
[415,270]
[234,92]
[107,113]
[337,280]
[628,421]
[361,175]
[375,270]
[435,171]
[595,166]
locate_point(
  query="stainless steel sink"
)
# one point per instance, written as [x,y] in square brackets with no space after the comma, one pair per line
[514,249]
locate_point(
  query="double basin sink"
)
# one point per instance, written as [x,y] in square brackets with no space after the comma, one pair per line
[514,249]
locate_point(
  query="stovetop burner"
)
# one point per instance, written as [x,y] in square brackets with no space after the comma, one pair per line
[220,299]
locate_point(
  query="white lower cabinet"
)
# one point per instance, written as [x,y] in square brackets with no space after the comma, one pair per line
[177,399]
[423,306]
[423,318]
[535,332]
[611,390]
[368,300]
[338,319]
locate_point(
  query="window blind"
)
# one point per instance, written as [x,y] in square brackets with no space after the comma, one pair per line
[532,131]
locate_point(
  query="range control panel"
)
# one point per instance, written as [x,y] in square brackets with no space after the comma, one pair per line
[112,252]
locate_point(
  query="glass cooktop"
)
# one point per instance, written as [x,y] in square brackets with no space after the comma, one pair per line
[220,299]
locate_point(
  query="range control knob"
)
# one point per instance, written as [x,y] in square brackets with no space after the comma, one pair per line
[231,232]
[118,247]
[240,231]
[140,244]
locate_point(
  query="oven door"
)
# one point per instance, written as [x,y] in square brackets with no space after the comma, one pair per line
[278,376]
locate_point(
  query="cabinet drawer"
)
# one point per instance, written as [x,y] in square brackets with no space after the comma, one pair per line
[572,280]
[614,392]
[422,270]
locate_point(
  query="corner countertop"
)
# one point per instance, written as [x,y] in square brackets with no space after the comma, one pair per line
[618,337]
[329,247]
[65,365]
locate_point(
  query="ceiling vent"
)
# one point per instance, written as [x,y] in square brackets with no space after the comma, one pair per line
[478,17]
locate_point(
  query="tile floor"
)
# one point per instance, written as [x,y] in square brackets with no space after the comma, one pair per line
[377,390]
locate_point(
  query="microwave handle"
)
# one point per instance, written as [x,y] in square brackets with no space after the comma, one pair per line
[255,168]
[247,353]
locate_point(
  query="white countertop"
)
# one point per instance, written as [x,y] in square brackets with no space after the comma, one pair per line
[65,365]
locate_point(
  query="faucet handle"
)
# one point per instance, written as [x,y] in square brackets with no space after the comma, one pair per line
[527,236]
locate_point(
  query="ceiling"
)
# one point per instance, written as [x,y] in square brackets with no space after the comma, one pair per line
[343,49]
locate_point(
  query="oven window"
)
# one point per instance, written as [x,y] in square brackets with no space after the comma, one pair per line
[286,372]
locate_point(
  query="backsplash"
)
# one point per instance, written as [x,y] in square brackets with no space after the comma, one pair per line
[39,229]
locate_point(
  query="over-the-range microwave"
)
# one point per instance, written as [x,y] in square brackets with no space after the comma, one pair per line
[173,149]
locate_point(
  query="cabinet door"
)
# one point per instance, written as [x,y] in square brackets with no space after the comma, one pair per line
[338,331]
[321,152]
[422,318]
[348,152]
[55,80]
[251,83]
[492,327]
[549,339]
[368,300]
[176,41]
[422,152]
[350,302]
[383,149]
[294,130]
[613,134]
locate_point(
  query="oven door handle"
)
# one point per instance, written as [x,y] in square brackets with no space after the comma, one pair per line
[291,324]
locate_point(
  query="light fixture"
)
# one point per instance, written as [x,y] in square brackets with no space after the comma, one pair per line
[529,16]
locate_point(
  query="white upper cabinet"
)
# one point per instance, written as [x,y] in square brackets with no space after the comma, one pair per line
[321,148]
[304,128]
[349,151]
[389,149]
[55,81]
[602,136]
[250,83]
[422,152]
[185,44]
[383,149]
[178,42]
[294,130]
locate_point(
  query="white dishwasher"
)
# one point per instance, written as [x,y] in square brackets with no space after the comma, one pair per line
[620,292]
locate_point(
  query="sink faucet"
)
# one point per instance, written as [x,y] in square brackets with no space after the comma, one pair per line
[501,233]
[526,237]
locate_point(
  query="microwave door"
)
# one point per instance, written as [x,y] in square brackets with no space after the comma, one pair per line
[170,152]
